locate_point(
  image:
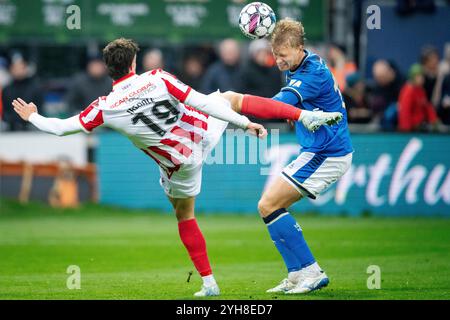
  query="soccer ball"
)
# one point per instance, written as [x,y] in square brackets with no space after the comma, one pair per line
[257,20]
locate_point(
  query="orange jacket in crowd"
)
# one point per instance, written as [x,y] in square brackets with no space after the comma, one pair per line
[340,74]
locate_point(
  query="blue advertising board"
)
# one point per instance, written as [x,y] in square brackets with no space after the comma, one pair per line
[391,175]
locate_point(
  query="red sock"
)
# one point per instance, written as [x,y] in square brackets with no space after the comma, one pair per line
[193,240]
[266,108]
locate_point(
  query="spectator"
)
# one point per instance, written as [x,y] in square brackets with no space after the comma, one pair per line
[355,99]
[23,85]
[5,79]
[383,94]
[339,65]
[153,59]
[224,74]
[444,102]
[441,92]
[64,193]
[429,59]
[415,110]
[88,86]
[260,77]
[192,71]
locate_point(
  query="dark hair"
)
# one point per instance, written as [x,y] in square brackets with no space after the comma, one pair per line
[118,56]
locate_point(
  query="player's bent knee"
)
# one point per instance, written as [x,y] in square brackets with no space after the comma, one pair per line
[184,214]
[184,208]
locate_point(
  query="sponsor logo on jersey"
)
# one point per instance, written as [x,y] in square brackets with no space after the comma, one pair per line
[295,83]
[138,92]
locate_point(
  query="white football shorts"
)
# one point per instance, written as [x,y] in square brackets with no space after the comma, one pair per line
[311,173]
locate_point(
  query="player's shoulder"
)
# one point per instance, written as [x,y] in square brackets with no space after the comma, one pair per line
[313,64]
[149,74]
[160,76]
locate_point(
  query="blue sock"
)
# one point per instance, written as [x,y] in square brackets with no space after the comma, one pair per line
[285,230]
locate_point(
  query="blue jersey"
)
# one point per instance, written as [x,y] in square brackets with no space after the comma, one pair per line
[312,86]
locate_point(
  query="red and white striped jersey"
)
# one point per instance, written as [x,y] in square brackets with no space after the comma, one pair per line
[149,110]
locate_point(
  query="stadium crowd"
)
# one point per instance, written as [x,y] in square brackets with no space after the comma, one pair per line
[387,100]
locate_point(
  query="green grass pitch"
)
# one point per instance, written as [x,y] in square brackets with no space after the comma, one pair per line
[125,254]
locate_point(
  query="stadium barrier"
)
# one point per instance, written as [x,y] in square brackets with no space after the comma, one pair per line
[64,192]
[391,175]
[35,166]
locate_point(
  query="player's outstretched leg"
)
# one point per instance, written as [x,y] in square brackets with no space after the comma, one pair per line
[285,230]
[193,240]
[266,108]
[313,120]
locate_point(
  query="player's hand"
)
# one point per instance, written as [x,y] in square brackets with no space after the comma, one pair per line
[291,123]
[257,130]
[23,109]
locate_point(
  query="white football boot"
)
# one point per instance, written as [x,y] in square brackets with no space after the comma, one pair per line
[313,120]
[312,278]
[209,291]
[287,283]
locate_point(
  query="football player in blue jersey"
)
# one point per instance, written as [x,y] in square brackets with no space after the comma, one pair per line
[325,154]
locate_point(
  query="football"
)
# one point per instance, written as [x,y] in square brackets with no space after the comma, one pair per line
[257,20]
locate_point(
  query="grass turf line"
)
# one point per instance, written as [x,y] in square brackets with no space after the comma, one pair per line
[126,254]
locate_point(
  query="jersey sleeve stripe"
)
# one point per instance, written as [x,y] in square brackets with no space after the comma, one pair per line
[299,96]
[165,154]
[169,171]
[91,117]
[195,110]
[194,121]
[175,87]
[180,147]
[83,126]
[174,91]
[150,155]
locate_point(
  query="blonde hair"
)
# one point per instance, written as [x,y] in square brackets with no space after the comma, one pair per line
[288,32]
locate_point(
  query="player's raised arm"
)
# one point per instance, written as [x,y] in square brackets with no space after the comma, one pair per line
[59,127]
